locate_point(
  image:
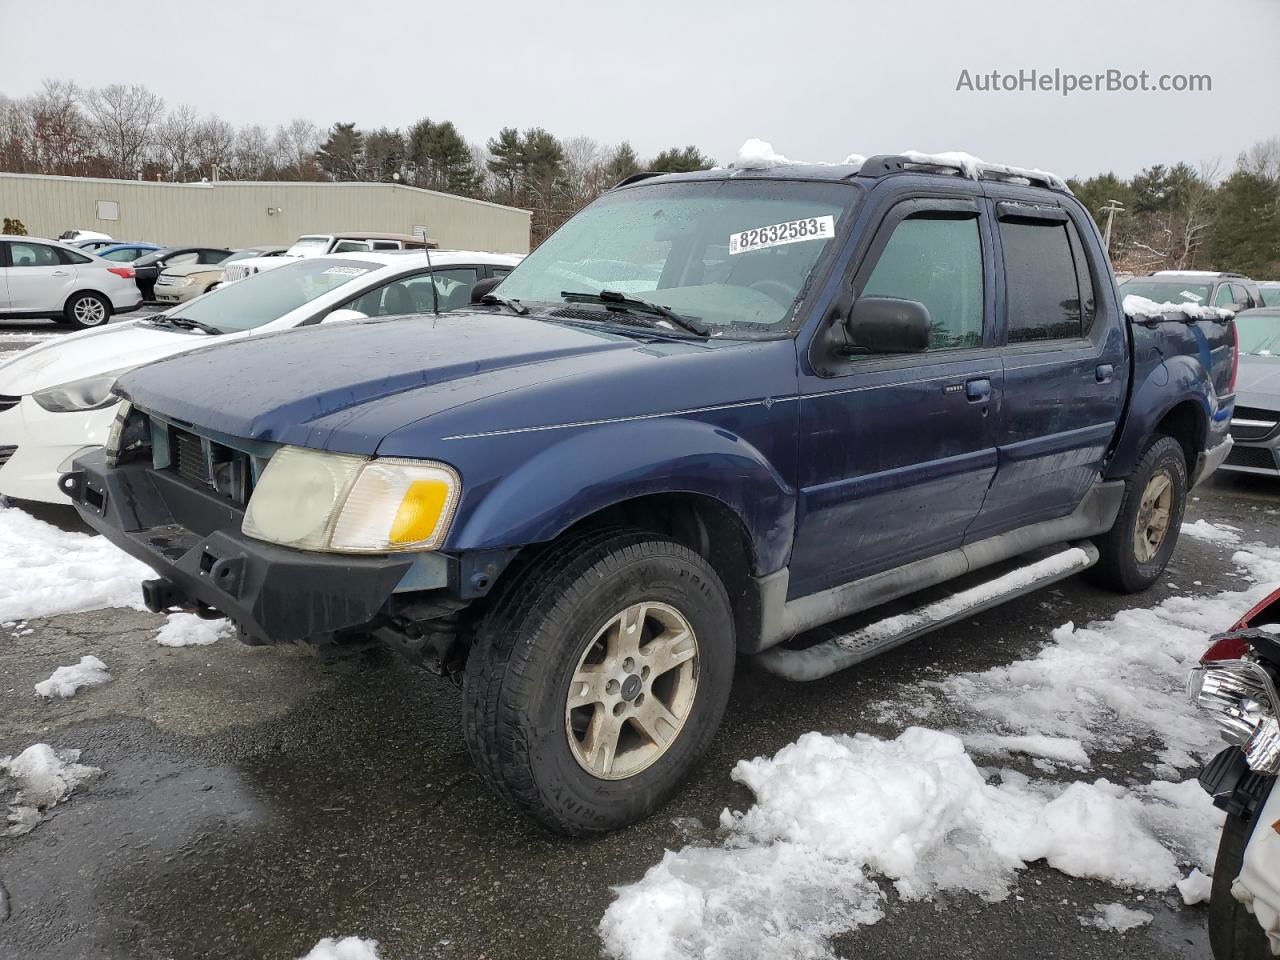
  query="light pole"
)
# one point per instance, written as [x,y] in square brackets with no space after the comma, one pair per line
[1112,208]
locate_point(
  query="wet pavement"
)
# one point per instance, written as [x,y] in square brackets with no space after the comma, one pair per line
[254,800]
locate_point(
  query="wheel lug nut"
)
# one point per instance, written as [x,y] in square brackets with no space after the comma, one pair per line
[628,664]
[612,686]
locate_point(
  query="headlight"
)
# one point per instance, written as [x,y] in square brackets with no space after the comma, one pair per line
[314,500]
[187,281]
[91,393]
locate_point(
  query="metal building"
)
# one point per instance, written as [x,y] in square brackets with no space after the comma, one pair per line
[243,213]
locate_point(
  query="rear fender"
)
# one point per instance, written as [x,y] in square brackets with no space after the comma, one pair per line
[592,469]
[1177,380]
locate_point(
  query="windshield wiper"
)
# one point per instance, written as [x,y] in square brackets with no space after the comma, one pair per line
[629,304]
[515,306]
[184,323]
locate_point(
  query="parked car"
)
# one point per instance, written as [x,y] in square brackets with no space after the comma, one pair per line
[819,390]
[1231,291]
[183,282]
[127,252]
[92,246]
[77,237]
[1255,422]
[44,278]
[1270,291]
[56,400]
[321,244]
[1238,682]
[147,268]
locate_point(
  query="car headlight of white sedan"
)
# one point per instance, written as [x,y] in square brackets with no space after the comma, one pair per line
[91,393]
[341,503]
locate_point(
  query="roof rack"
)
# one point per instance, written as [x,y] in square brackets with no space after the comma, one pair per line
[637,177]
[957,166]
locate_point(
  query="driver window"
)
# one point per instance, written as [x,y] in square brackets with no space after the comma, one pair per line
[1224,298]
[937,261]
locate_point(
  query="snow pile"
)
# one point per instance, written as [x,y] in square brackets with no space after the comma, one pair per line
[188,630]
[1195,888]
[834,812]
[44,778]
[1059,749]
[65,681]
[46,571]
[348,948]
[1136,306]
[756,154]
[1117,918]
[1213,532]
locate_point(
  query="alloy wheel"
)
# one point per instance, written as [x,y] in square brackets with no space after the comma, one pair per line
[1154,512]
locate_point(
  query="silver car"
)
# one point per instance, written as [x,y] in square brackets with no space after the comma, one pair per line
[48,279]
[1255,422]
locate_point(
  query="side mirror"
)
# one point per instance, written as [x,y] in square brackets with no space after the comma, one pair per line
[345,314]
[483,288]
[888,325]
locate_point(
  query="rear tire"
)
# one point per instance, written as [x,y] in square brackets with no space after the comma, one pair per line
[84,311]
[1135,551]
[602,637]
[1234,932]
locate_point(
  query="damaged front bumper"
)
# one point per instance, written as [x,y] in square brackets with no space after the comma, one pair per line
[191,537]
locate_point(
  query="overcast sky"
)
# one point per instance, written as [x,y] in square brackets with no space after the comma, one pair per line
[817,79]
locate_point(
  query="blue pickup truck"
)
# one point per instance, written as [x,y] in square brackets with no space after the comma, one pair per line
[712,412]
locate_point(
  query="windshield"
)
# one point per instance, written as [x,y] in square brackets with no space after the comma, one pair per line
[308,247]
[269,295]
[1166,291]
[734,254]
[1259,334]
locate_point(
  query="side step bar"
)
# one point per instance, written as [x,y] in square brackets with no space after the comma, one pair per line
[845,650]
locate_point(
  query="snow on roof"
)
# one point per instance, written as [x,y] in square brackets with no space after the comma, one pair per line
[757,154]
[1136,306]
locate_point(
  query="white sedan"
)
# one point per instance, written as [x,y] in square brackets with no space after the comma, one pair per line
[56,399]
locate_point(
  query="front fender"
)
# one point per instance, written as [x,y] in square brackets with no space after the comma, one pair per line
[1176,380]
[587,470]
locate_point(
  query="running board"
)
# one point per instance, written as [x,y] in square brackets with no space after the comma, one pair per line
[829,656]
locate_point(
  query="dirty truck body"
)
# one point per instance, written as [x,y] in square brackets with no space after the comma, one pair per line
[898,381]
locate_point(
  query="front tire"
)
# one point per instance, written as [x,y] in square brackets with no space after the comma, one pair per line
[598,678]
[1135,551]
[85,311]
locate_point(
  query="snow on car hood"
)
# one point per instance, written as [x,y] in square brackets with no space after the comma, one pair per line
[119,346]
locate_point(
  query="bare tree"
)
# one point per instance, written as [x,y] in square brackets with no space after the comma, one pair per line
[175,142]
[294,146]
[124,121]
[252,157]
[214,147]
[61,138]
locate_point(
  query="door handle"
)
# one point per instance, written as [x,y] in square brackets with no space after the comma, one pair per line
[978,390]
[59,273]
[1104,372]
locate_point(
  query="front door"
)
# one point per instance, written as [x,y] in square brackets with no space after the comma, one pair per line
[897,452]
[37,277]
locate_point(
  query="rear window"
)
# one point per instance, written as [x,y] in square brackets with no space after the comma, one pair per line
[1041,281]
[1164,291]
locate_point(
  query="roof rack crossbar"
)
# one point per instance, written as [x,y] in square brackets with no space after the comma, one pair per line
[885,164]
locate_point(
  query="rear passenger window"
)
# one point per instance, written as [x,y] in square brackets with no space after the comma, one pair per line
[69,256]
[1041,282]
[937,261]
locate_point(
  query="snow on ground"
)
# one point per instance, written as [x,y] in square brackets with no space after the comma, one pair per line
[44,777]
[1116,917]
[65,681]
[1196,887]
[46,571]
[1213,532]
[348,948]
[188,630]
[836,816]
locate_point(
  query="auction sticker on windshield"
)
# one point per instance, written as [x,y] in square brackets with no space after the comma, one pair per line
[347,271]
[776,234]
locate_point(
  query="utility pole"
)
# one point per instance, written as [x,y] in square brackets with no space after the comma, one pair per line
[1112,208]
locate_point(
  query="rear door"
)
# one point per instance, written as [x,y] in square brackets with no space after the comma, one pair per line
[1065,372]
[897,451]
[37,279]
[4,275]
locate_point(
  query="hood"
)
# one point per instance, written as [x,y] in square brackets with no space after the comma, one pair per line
[89,353]
[1258,382]
[348,386]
